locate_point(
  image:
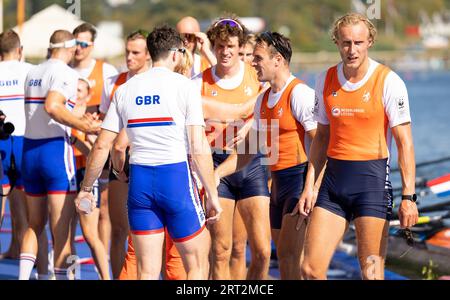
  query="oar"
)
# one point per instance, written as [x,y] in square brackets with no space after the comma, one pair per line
[421,183]
[427,163]
[424,219]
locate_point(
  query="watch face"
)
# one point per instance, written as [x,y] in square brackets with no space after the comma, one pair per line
[414,197]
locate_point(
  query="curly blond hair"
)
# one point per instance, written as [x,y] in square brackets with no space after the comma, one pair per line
[353,19]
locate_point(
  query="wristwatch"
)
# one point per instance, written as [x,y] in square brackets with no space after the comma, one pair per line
[88,189]
[412,197]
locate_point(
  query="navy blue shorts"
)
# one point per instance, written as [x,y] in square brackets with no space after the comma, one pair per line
[287,186]
[48,167]
[164,196]
[249,182]
[353,189]
[14,144]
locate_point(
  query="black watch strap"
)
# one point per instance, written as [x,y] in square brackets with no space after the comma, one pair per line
[412,197]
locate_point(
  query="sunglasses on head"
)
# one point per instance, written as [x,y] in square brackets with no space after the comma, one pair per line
[229,22]
[83,44]
[268,37]
[181,50]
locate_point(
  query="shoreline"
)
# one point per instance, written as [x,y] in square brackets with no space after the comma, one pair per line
[400,60]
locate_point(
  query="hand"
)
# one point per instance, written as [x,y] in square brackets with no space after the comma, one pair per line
[91,123]
[213,209]
[85,195]
[408,214]
[203,43]
[306,202]
[240,136]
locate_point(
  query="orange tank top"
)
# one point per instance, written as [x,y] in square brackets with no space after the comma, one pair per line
[96,79]
[80,158]
[219,132]
[289,142]
[358,122]
[121,79]
[204,64]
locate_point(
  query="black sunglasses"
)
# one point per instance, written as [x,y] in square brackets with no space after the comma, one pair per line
[268,37]
[182,50]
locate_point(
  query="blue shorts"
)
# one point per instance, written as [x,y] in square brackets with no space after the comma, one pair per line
[249,182]
[164,196]
[353,189]
[13,144]
[48,167]
[287,186]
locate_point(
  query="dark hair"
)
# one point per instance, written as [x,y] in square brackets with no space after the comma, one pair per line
[84,28]
[277,43]
[9,41]
[160,40]
[223,29]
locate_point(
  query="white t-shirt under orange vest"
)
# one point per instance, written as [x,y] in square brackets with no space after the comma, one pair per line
[361,124]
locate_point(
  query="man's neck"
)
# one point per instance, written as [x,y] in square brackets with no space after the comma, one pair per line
[356,74]
[163,64]
[227,72]
[83,64]
[10,57]
[59,56]
[279,80]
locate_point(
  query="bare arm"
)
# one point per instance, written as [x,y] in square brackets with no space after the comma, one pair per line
[202,159]
[94,165]
[236,162]
[56,108]
[79,109]
[98,156]
[408,213]
[118,152]
[204,47]
[317,159]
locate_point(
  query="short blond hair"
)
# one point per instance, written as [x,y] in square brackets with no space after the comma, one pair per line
[353,19]
[185,66]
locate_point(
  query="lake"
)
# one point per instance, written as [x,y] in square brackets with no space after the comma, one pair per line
[429,96]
